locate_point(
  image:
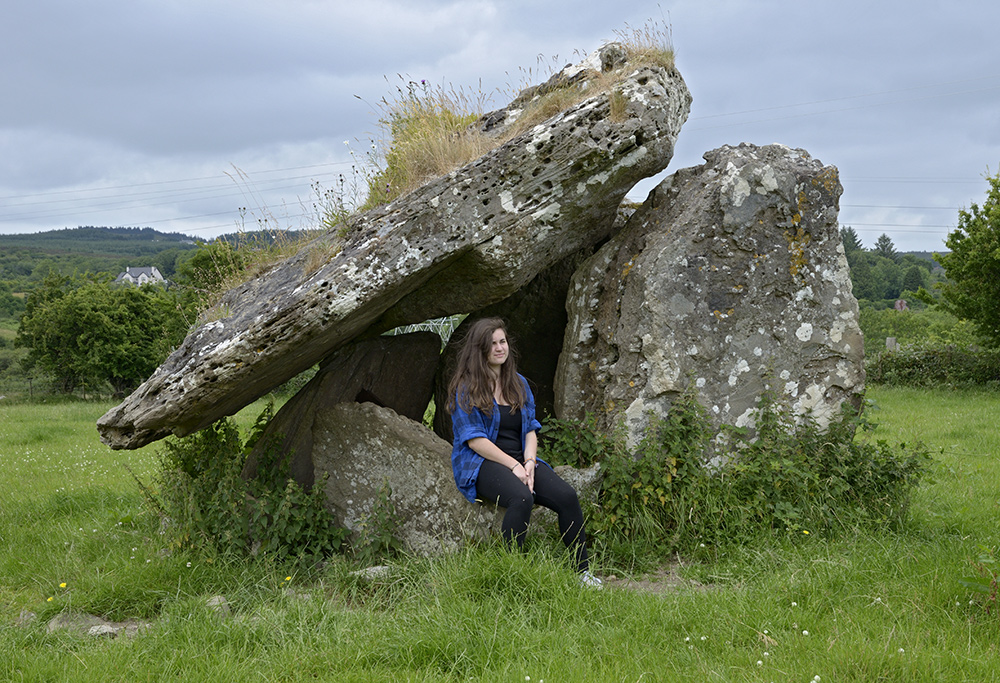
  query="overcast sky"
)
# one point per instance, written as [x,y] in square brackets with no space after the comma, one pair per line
[205,116]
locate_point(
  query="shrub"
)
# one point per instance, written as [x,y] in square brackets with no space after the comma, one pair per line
[572,442]
[211,506]
[930,365]
[928,326]
[678,491]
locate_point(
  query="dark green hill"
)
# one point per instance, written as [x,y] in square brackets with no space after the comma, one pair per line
[26,259]
[106,241]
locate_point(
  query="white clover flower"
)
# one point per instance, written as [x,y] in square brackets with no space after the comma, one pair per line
[760,663]
[795,604]
[805,633]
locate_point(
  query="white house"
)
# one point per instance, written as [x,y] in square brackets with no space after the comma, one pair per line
[140,276]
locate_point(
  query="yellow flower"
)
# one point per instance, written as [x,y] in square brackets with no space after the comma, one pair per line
[805,532]
[288,578]
[49,600]
[62,585]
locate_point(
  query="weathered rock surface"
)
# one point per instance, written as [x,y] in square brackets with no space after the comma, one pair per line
[361,446]
[730,277]
[457,244]
[396,372]
[94,626]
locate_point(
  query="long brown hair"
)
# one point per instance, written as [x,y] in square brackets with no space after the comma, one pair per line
[472,384]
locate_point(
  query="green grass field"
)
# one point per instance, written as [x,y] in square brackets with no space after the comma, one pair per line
[873,606]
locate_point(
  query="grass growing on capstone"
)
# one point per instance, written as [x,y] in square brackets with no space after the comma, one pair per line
[867,606]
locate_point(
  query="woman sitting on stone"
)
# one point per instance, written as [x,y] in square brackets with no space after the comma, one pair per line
[494,456]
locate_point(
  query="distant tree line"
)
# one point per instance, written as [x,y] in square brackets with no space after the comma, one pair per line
[89,331]
[950,330]
[881,275]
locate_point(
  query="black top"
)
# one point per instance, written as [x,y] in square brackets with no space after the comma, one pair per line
[509,437]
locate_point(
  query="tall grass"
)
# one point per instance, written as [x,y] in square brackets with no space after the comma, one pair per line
[883,605]
[427,131]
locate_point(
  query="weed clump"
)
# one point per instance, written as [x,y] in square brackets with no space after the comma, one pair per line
[429,131]
[427,134]
[680,492]
[210,507]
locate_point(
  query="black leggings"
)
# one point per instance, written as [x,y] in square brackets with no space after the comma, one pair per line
[497,484]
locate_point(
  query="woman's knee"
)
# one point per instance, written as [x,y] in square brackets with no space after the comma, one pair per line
[560,497]
[522,501]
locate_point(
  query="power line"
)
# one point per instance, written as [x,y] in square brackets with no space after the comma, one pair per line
[887,206]
[173,181]
[845,98]
[90,201]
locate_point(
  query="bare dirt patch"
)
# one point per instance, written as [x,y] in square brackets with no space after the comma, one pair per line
[664,580]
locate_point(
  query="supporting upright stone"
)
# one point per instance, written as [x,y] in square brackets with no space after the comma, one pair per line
[730,279]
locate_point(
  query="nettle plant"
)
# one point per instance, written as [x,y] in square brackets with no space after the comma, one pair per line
[211,507]
[689,485]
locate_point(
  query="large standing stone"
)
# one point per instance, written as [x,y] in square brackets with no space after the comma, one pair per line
[361,446]
[454,245]
[730,278]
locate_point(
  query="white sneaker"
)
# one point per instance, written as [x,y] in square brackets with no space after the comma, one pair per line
[589,580]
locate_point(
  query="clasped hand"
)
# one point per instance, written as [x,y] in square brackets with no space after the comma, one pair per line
[526,474]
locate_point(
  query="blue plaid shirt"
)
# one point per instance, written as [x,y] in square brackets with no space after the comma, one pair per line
[465,462]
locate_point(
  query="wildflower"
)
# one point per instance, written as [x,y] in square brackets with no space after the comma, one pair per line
[288,578]
[795,604]
[50,599]
[62,585]
[687,639]
[704,637]
[805,532]
[901,650]
[189,564]
[766,654]
[760,663]
[805,633]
